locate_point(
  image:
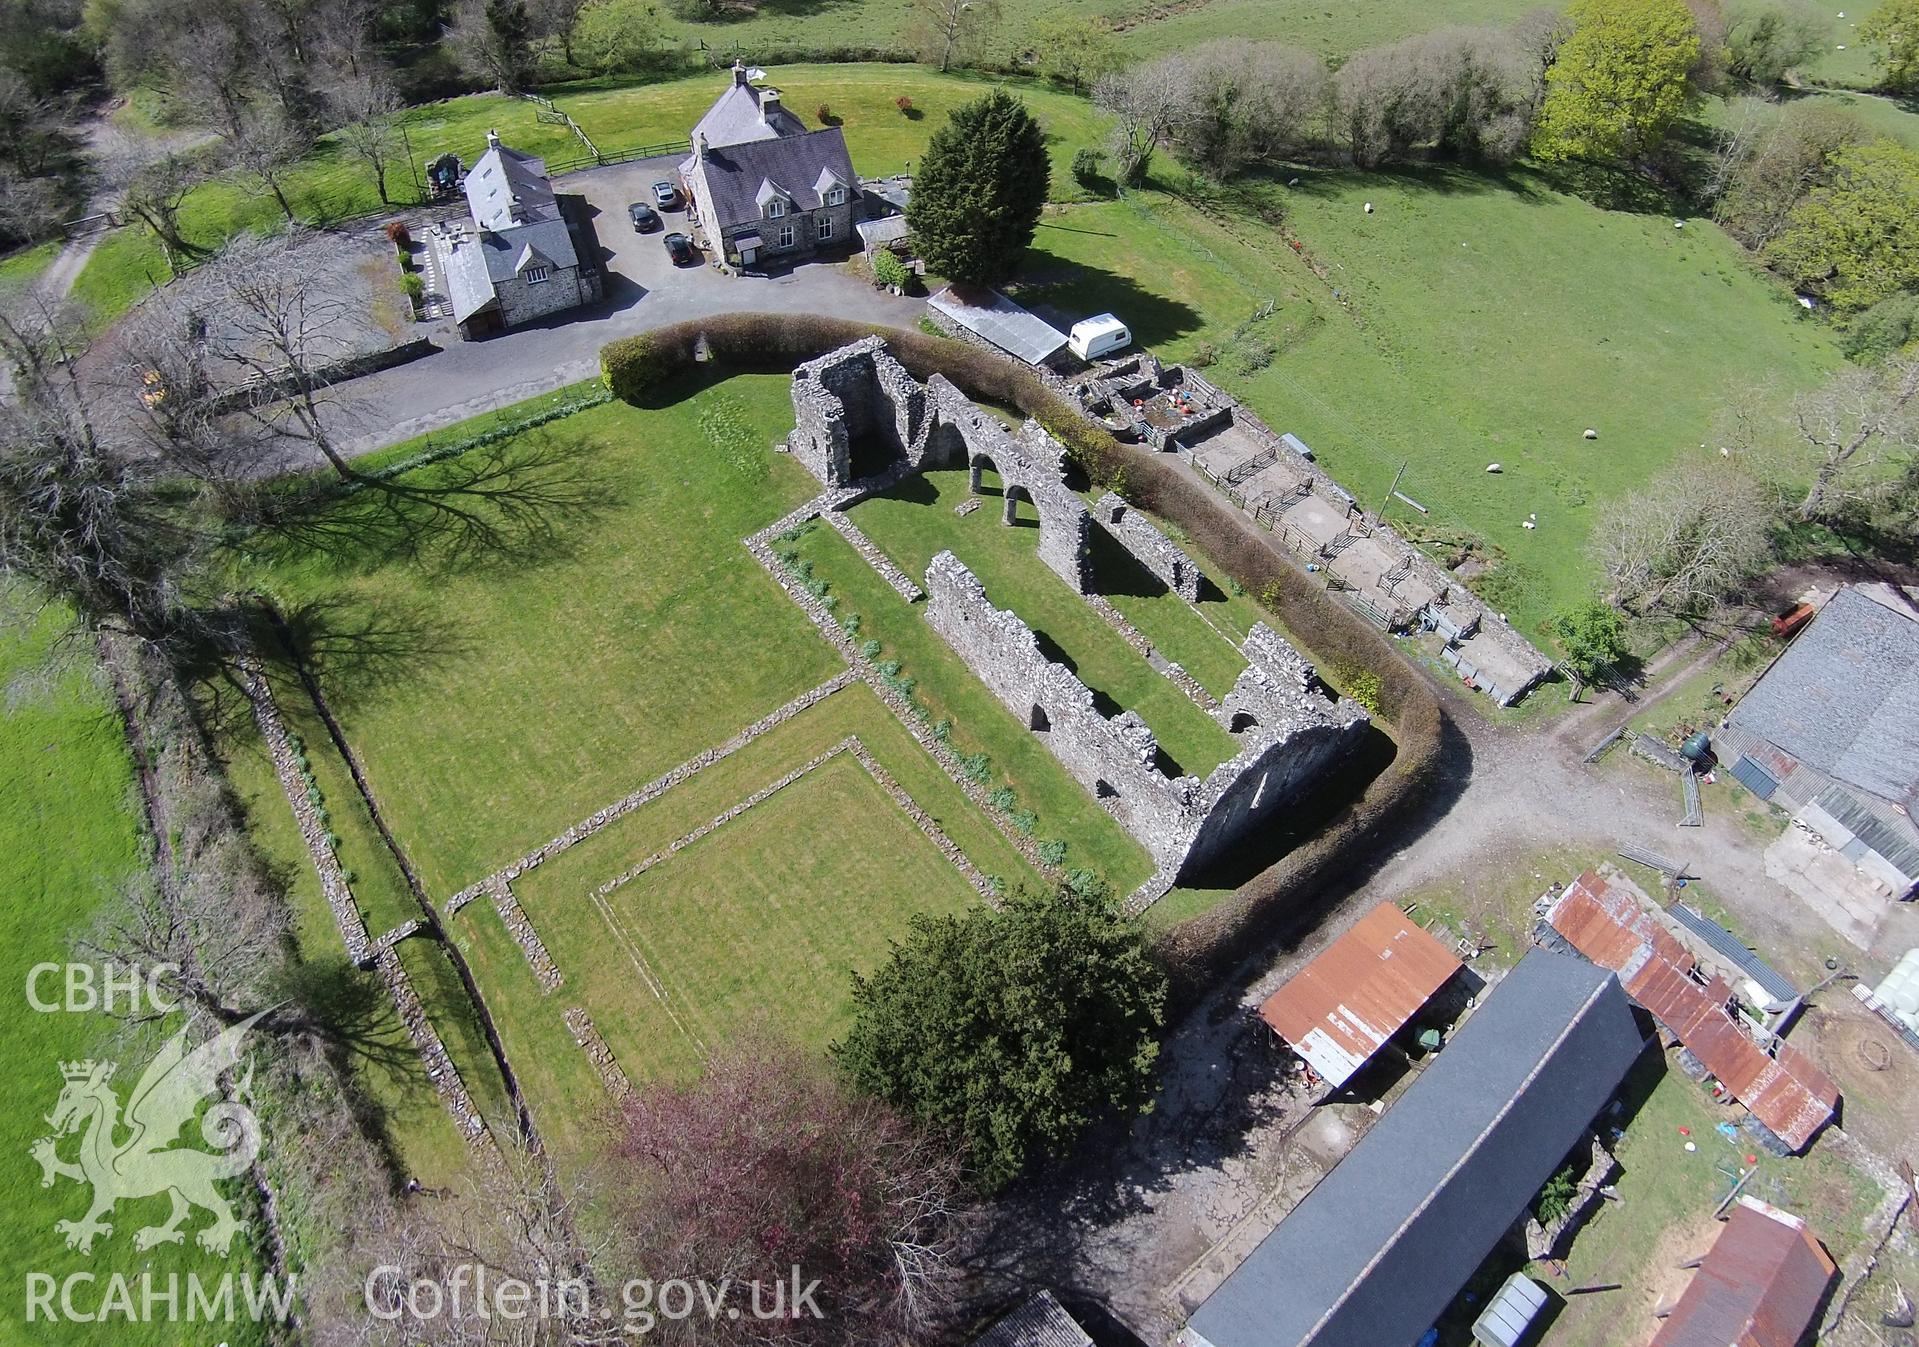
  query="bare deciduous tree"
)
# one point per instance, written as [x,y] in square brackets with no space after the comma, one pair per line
[1861,432]
[155,195]
[268,149]
[368,109]
[953,29]
[1687,542]
[1145,102]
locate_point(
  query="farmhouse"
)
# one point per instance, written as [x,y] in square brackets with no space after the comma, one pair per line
[1789,1098]
[1345,1005]
[1381,1247]
[519,259]
[1831,731]
[1761,1285]
[764,187]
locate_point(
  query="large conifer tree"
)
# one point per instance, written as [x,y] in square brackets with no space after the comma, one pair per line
[977,197]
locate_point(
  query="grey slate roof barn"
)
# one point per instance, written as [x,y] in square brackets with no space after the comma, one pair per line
[1832,730]
[764,186]
[518,260]
[1380,1248]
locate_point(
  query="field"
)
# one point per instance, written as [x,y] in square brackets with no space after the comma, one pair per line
[1468,320]
[69,837]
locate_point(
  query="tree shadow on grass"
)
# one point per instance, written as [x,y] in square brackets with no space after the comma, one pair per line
[358,647]
[519,504]
[1082,289]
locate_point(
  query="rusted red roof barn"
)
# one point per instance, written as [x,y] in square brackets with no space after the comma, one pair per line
[1760,1286]
[1341,1008]
[1608,924]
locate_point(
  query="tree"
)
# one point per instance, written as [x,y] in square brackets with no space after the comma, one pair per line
[1144,101]
[1014,1029]
[493,40]
[368,109]
[1892,31]
[1861,432]
[1620,80]
[769,1162]
[156,194]
[1855,238]
[1248,102]
[1884,330]
[1772,159]
[616,35]
[1768,38]
[979,191]
[1686,542]
[1074,50]
[953,29]
[267,149]
[1594,637]
[1465,91]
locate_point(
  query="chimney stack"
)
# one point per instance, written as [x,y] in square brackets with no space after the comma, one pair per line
[769,104]
[739,73]
[492,139]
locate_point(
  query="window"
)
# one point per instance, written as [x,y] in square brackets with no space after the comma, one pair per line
[534,275]
[775,209]
[836,196]
[824,229]
[786,236]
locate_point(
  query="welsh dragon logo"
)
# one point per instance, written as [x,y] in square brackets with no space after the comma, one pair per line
[136,1157]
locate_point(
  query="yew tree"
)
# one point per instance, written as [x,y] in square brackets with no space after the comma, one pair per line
[979,190]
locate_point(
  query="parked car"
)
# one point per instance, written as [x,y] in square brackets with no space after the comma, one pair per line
[643,216]
[680,248]
[666,195]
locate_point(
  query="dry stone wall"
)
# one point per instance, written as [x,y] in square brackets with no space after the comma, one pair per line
[1184,822]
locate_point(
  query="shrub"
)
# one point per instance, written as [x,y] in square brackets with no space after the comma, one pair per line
[943,730]
[413,287]
[1023,821]
[1088,164]
[1002,797]
[978,767]
[889,271]
[891,669]
[870,648]
[1556,1198]
[903,103]
[850,624]
[398,234]
[825,113]
[633,366]
[1052,851]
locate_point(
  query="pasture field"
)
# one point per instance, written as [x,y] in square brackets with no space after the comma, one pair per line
[1468,320]
[70,837]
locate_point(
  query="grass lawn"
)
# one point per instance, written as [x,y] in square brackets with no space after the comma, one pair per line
[915,520]
[1468,320]
[759,921]
[496,697]
[980,724]
[1667,1199]
[21,269]
[69,837]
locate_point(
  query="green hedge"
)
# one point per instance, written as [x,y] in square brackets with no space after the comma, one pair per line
[1292,892]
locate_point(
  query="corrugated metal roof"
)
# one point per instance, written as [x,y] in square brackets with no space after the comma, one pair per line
[1377,1251]
[1733,950]
[1003,323]
[1607,924]
[1859,818]
[1760,1285]
[1040,1322]
[1341,1008]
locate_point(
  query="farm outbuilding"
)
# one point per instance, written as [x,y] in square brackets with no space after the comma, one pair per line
[1789,1097]
[1376,1253]
[1040,1322]
[1341,1008]
[1762,1284]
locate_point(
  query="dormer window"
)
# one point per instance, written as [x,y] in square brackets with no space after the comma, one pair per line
[836,196]
[775,208]
[534,275]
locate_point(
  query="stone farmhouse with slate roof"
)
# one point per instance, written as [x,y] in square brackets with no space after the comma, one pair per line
[518,261]
[764,187]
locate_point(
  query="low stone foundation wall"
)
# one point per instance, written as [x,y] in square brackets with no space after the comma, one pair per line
[1151,548]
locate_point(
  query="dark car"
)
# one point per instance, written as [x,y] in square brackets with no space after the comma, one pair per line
[680,248]
[643,216]
[666,195]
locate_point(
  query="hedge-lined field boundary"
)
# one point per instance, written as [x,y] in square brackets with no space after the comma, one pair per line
[1202,950]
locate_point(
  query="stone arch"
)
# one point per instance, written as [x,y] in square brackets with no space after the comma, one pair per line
[1103,790]
[1039,722]
[1013,493]
[1243,721]
[976,460]
[945,448]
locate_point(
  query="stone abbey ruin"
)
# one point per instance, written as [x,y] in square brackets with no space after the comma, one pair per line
[1288,729]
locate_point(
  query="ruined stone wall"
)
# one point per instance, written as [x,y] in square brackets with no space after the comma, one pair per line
[1153,549]
[856,392]
[1183,822]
